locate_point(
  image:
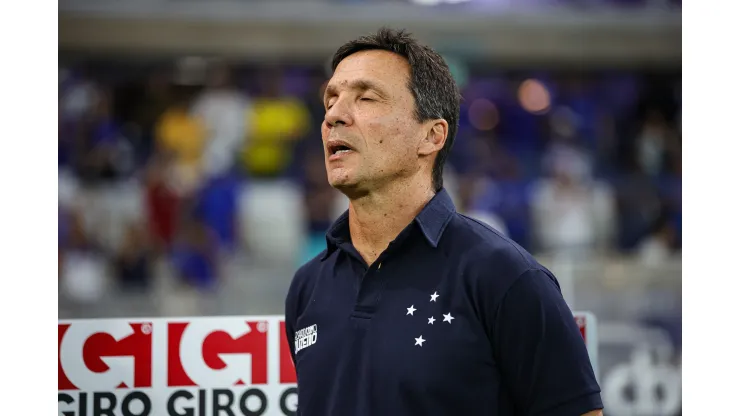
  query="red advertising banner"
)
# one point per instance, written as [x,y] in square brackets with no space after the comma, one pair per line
[185,366]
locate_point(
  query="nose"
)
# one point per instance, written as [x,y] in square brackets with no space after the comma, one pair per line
[338,114]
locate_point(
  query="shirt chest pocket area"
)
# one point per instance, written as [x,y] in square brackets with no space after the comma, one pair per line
[438,357]
[315,342]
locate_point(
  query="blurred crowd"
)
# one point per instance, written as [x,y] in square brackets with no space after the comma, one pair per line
[190,164]
[530,3]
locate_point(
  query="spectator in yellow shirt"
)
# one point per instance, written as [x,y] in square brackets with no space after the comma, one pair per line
[277,121]
[181,139]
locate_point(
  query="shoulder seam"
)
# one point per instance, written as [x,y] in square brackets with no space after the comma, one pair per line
[519,278]
[488,227]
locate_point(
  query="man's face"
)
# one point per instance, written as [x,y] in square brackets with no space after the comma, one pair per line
[370,134]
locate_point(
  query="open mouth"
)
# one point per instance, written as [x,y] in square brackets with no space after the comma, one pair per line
[338,148]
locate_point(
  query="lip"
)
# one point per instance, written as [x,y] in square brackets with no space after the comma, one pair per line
[334,144]
[338,156]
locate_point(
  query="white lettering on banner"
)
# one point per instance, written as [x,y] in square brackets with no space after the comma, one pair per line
[306,337]
[133,403]
[181,402]
[238,365]
[655,386]
[121,369]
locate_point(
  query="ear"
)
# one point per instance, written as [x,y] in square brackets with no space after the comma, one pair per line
[436,136]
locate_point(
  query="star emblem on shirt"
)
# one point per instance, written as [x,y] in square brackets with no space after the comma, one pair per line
[434,297]
[410,311]
[448,318]
[419,341]
[431,320]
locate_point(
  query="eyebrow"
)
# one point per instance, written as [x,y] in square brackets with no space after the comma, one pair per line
[360,85]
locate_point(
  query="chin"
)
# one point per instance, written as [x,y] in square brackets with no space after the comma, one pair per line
[340,177]
[342,183]
[347,185]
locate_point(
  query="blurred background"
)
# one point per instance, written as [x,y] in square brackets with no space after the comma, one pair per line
[191,173]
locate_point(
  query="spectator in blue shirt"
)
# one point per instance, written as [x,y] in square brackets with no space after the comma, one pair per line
[194,256]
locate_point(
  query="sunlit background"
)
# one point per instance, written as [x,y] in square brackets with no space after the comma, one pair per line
[569,142]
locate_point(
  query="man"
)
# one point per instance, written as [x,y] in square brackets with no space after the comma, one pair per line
[414,309]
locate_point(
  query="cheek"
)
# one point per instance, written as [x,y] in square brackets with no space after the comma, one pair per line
[390,137]
[394,147]
[390,132]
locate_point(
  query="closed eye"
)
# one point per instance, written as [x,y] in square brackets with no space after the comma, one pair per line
[329,102]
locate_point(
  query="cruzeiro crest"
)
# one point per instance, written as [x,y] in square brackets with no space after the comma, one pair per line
[446,318]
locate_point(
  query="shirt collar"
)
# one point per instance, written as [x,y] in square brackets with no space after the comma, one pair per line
[432,221]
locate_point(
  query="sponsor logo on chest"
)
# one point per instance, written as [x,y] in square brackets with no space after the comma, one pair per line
[306,337]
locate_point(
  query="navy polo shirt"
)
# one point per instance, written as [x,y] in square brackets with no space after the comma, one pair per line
[451,319]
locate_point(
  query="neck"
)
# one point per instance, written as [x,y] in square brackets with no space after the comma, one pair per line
[377,218]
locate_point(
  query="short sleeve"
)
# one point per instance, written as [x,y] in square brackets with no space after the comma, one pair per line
[541,354]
